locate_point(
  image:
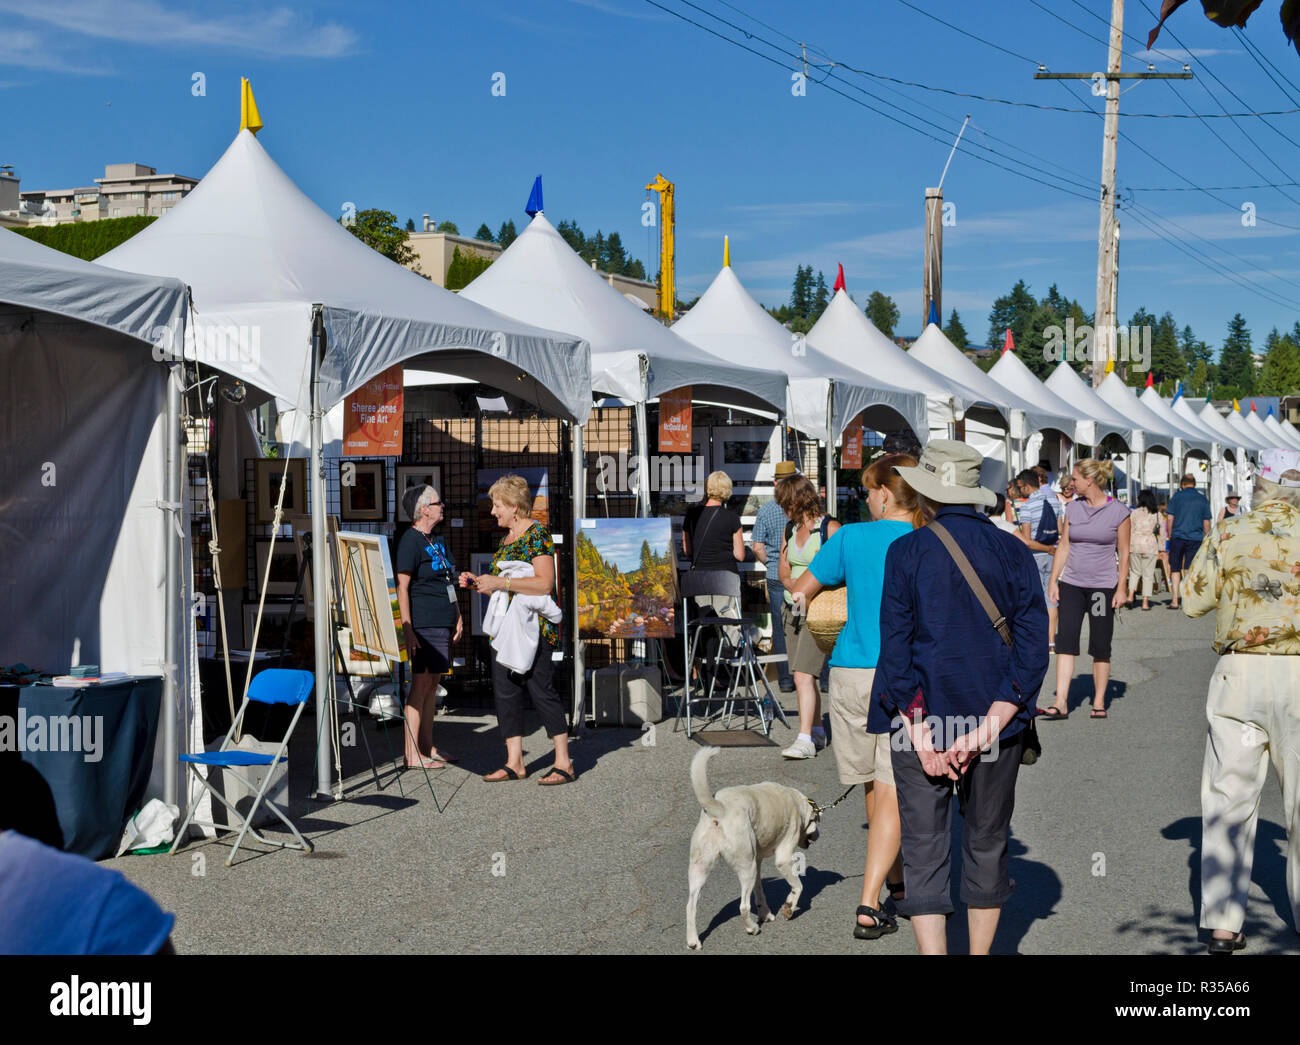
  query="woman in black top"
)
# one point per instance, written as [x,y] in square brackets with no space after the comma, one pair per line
[712,540]
[430,618]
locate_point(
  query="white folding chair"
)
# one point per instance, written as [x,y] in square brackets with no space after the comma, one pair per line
[272,686]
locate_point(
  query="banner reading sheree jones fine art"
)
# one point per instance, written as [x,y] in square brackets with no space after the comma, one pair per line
[372,417]
[675,421]
[851,449]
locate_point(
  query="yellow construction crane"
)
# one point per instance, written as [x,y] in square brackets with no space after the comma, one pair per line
[667,221]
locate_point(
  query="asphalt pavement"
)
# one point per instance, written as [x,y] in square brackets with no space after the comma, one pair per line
[1105,842]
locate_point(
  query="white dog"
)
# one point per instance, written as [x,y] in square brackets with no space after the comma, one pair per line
[744,825]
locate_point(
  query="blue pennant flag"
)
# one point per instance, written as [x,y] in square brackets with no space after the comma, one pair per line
[934,314]
[534,198]
[1178,393]
[1270,409]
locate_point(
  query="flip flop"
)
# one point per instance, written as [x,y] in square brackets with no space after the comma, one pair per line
[1053,714]
[428,763]
[445,757]
[568,776]
[1095,713]
[510,777]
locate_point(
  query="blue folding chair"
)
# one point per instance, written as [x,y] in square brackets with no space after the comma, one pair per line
[272,686]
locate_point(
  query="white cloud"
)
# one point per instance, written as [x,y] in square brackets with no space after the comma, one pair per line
[277,31]
[28,50]
[614,9]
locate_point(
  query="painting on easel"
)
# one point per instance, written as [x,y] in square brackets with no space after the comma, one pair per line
[369,592]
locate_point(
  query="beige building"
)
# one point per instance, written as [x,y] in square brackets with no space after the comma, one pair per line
[126,190]
[434,252]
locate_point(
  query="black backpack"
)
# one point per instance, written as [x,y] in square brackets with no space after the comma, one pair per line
[1048,532]
[791,524]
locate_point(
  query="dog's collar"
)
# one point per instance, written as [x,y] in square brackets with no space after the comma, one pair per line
[819,810]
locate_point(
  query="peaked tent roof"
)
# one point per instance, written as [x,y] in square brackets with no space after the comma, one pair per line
[938,353]
[1283,439]
[1246,435]
[150,308]
[845,334]
[1255,423]
[541,279]
[258,254]
[1011,373]
[731,325]
[1071,387]
[1183,410]
[1291,432]
[1118,395]
[1232,436]
[1194,437]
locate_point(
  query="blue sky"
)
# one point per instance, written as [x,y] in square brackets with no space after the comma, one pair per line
[391,106]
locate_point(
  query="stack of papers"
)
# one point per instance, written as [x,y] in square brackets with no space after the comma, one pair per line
[75,681]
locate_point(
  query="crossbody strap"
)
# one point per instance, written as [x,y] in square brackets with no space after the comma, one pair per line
[972,578]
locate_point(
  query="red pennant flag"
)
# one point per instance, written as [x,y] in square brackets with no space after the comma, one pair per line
[1151,379]
[839,280]
[1009,345]
[1252,406]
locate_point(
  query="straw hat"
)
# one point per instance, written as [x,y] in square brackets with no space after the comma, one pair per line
[785,469]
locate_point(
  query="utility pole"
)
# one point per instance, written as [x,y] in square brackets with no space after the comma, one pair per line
[1103,344]
[932,274]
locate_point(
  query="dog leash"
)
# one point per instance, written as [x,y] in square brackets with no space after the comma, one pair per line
[819,810]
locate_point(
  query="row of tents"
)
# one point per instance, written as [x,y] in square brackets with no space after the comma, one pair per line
[249,281]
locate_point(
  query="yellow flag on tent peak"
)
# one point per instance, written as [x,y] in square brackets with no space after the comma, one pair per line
[1110,365]
[726,253]
[1236,406]
[249,118]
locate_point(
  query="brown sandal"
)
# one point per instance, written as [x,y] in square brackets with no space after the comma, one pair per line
[510,776]
[568,775]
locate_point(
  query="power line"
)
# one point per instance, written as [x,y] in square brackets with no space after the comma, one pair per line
[959,29]
[1217,188]
[1257,55]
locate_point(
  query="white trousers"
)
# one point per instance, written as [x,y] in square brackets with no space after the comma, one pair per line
[1253,710]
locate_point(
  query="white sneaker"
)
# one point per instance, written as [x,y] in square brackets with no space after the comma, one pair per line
[800,749]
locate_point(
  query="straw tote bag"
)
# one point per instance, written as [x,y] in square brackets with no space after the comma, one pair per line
[827,614]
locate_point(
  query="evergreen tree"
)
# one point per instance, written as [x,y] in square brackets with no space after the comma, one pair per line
[1199,382]
[464,268]
[1012,311]
[484,233]
[821,297]
[955,332]
[1167,362]
[883,313]
[1236,360]
[506,235]
[1280,374]
[615,255]
[801,293]
[635,270]
[448,227]
[410,224]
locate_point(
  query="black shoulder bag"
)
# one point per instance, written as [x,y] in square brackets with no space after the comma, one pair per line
[1033,747]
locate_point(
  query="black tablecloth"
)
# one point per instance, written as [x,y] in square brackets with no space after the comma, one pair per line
[95,791]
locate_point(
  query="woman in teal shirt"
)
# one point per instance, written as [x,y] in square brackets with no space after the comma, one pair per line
[855,557]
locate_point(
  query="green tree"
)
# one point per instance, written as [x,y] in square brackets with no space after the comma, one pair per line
[484,233]
[801,292]
[1199,382]
[1167,362]
[506,235]
[1236,360]
[615,260]
[1012,311]
[883,312]
[379,229]
[448,227]
[1280,374]
[87,240]
[955,332]
[464,269]
[410,224]
[635,270]
[821,297]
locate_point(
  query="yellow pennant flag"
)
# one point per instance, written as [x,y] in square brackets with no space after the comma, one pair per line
[1236,406]
[1110,365]
[726,253]
[248,115]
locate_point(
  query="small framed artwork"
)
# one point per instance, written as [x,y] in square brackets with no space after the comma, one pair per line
[275,625]
[409,475]
[362,497]
[267,475]
[283,557]
[748,453]
[479,564]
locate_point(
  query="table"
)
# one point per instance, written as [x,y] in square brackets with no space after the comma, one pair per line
[103,736]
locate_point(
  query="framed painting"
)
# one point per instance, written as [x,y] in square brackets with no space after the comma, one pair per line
[267,474]
[283,558]
[627,578]
[409,475]
[368,589]
[362,496]
[479,563]
[747,453]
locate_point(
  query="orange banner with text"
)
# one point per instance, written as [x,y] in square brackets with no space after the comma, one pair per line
[851,448]
[372,417]
[675,421]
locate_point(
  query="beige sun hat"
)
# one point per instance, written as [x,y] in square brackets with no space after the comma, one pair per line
[949,473]
[785,469]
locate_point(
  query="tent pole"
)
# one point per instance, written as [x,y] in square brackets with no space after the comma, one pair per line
[643,461]
[832,502]
[579,510]
[174,618]
[320,565]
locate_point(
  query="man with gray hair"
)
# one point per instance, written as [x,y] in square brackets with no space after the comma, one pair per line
[1248,571]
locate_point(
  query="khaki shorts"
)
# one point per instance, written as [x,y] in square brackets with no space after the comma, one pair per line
[801,649]
[861,757]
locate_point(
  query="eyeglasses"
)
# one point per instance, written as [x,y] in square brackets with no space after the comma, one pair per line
[433,504]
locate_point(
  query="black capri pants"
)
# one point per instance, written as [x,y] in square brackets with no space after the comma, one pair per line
[1077,603]
[987,794]
[508,687]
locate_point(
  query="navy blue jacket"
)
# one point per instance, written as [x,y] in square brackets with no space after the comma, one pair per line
[939,651]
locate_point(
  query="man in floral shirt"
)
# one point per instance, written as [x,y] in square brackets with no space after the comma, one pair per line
[1249,572]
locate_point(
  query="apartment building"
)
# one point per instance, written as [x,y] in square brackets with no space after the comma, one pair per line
[126,190]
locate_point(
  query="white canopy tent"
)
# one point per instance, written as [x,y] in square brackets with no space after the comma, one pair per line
[541,279]
[1291,432]
[1285,439]
[825,396]
[1011,373]
[90,549]
[1158,439]
[1249,437]
[1072,388]
[1209,418]
[846,335]
[1256,424]
[289,301]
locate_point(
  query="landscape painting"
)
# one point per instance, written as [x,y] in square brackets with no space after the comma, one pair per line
[627,580]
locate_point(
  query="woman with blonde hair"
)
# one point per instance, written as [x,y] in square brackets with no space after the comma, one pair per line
[530,542]
[855,557]
[1089,578]
[807,531]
